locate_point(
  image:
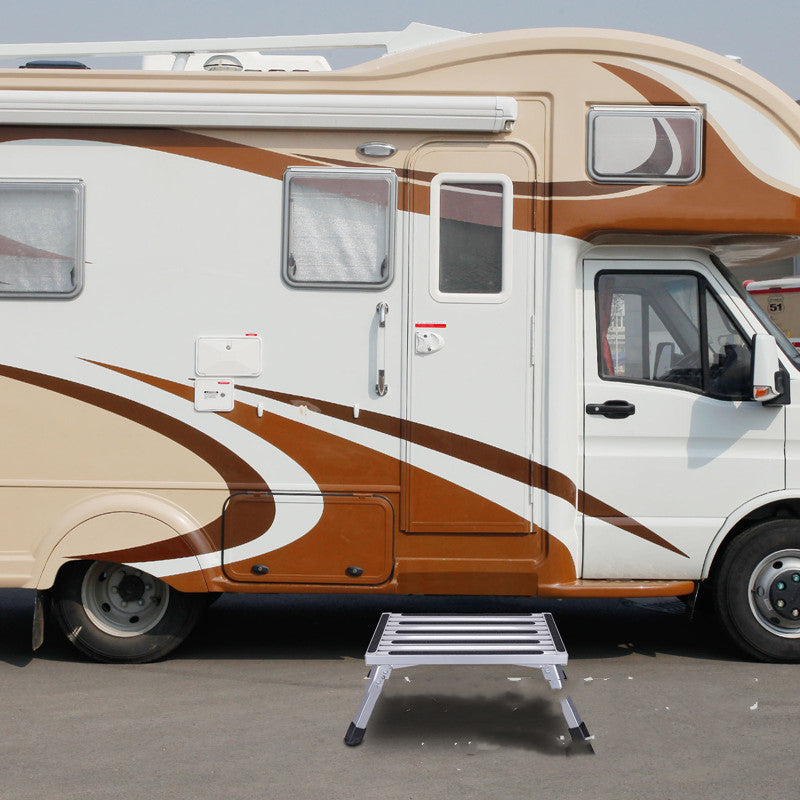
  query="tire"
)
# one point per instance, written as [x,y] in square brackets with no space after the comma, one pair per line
[117,614]
[757,590]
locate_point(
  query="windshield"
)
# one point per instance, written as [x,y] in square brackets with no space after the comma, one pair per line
[780,337]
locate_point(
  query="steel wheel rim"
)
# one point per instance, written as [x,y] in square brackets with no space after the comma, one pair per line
[123,601]
[765,593]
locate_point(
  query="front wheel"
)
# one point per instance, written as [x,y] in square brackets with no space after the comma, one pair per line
[757,590]
[115,613]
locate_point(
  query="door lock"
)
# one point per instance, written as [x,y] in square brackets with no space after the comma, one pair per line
[428,342]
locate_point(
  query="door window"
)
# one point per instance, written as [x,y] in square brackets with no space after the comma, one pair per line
[669,328]
[471,223]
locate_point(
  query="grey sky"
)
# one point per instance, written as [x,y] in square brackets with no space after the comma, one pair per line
[764,35]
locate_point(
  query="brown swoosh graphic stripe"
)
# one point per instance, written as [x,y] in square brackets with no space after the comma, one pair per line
[234,470]
[482,455]
[650,89]
[166,140]
[465,449]
[271,164]
[332,460]
[472,451]
[593,507]
[522,189]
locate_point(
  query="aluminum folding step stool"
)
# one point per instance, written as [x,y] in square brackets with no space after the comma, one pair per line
[409,640]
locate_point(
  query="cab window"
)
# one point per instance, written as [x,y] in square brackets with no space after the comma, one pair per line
[669,329]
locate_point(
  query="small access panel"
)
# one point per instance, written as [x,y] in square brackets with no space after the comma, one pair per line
[307,538]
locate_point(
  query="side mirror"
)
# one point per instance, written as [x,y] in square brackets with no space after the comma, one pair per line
[665,355]
[767,377]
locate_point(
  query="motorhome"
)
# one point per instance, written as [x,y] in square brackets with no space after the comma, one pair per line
[457,320]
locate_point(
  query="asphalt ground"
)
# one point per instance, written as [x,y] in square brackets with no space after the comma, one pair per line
[256,702]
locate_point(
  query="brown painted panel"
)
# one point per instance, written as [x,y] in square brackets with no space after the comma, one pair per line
[354,531]
[440,506]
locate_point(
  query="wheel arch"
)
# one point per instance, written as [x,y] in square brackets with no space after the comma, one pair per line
[115,521]
[775,505]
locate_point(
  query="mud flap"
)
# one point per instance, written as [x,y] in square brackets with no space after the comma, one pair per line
[40,605]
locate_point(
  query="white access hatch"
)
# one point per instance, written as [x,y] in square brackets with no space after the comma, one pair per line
[229,356]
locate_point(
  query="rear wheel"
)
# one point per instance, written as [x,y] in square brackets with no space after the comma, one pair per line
[757,590]
[115,613]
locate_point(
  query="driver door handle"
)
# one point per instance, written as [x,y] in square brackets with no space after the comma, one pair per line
[613,409]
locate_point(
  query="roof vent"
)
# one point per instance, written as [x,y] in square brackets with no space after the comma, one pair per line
[223,62]
[54,65]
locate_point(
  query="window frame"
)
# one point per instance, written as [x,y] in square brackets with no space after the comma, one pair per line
[694,113]
[387,174]
[506,238]
[80,236]
[704,287]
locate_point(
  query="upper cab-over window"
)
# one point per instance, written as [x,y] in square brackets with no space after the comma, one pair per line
[644,144]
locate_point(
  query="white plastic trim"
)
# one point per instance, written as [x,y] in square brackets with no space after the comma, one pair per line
[206,109]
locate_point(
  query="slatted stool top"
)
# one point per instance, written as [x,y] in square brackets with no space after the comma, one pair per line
[526,640]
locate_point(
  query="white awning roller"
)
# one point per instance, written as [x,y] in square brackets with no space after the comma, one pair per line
[251,110]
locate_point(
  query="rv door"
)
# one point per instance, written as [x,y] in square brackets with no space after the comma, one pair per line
[470,388]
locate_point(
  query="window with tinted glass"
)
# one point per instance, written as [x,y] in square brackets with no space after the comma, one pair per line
[471,223]
[669,328]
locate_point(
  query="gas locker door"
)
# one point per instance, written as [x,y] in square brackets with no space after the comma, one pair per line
[673,445]
[470,373]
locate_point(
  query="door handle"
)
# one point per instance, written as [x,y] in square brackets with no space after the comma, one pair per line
[382,309]
[613,409]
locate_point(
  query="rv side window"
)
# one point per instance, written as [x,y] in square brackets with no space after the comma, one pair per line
[670,329]
[471,222]
[339,227]
[41,238]
[644,144]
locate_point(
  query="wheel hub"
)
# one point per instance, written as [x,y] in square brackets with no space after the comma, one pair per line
[131,588]
[122,601]
[784,594]
[775,593]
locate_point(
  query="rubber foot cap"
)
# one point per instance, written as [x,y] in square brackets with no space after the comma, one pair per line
[580,744]
[581,733]
[354,736]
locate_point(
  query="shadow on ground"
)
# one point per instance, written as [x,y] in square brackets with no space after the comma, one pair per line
[340,626]
[494,721]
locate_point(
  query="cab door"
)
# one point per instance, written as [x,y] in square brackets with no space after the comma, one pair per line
[470,375]
[673,442]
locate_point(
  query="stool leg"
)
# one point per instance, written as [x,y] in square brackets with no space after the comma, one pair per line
[553,674]
[577,728]
[378,675]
